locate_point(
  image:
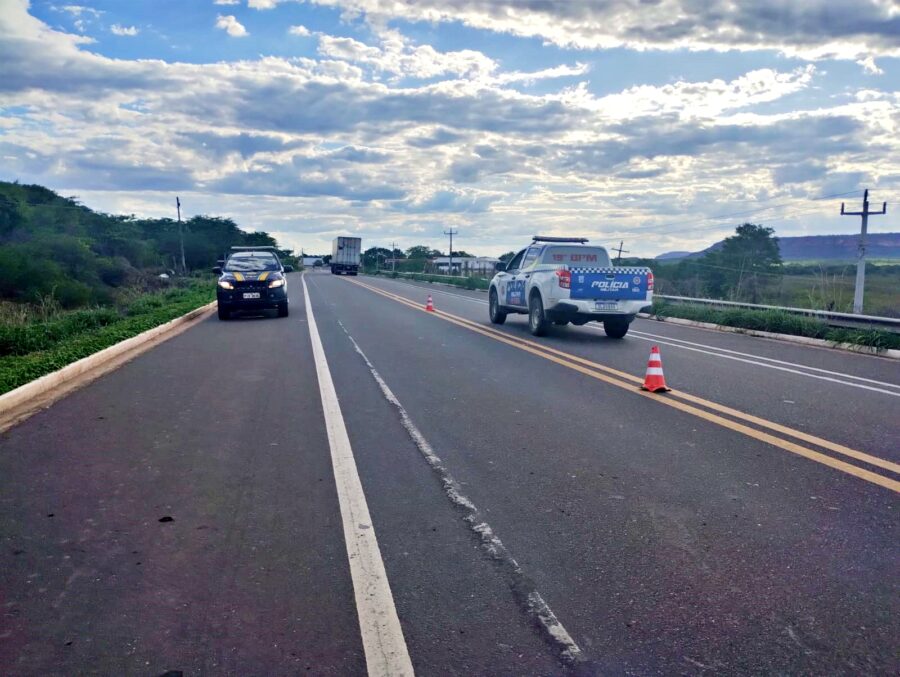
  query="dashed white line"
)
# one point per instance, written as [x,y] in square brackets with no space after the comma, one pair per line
[382,636]
[530,599]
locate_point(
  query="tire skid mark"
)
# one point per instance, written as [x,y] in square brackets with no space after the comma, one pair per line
[523,587]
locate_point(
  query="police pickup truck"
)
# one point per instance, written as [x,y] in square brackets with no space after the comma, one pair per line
[562,280]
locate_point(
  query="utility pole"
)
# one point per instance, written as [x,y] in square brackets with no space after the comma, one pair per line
[451,233]
[620,250]
[861,252]
[393,257]
[180,236]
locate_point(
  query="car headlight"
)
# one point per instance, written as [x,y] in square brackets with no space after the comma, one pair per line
[226,284]
[277,282]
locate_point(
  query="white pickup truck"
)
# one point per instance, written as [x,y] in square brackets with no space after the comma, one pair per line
[562,280]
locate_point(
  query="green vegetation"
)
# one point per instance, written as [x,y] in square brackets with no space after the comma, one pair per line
[778,322]
[45,338]
[456,281]
[74,281]
[52,246]
[747,267]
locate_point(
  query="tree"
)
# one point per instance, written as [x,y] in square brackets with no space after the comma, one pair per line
[375,256]
[747,261]
[507,256]
[421,252]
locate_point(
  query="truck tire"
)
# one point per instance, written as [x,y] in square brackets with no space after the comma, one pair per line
[283,309]
[224,313]
[537,322]
[615,328]
[497,315]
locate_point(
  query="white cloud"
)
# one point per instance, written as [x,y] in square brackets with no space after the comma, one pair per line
[116,29]
[81,10]
[326,144]
[813,29]
[261,4]
[231,25]
[302,31]
[227,2]
[869,66]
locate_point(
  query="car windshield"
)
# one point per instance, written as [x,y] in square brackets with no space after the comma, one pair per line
[242,263]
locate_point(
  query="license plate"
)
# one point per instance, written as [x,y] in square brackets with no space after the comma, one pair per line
[251,294]
[606,305]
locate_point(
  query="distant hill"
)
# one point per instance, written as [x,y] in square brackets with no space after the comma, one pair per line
[825,247]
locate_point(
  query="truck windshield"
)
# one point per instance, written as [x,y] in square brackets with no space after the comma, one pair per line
[576,256]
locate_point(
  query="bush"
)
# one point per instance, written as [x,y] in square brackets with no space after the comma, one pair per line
[31,348]
[779,322]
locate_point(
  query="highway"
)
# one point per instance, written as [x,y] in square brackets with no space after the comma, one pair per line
[367,487]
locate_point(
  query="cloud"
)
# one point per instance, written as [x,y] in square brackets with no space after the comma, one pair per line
[814,29]
[261,4]
[869,66]
[302,31]
[226,2]
[386,136]
[116,29]
[231,26]
[449,200]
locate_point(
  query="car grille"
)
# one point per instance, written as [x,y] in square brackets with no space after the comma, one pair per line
[251,286]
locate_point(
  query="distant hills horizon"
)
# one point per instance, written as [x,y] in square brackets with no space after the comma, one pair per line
[815,247]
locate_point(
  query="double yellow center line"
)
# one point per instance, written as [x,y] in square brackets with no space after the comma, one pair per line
[690,404]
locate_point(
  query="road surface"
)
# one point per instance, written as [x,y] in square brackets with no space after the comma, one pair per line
[399,491]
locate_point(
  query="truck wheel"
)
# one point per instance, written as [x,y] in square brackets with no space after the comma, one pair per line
[537,323]
[497,315]
[224,313]
[615,328]
[283,309]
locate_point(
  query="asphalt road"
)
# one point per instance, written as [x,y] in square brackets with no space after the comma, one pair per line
[535,513]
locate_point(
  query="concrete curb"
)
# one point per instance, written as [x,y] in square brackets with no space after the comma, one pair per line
[22,402]
[805,340]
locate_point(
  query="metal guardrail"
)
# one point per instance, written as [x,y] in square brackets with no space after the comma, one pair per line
[829,317]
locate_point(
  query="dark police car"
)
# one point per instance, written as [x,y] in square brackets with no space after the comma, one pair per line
[252,278]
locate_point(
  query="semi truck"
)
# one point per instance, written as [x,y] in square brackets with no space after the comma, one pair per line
[345,253]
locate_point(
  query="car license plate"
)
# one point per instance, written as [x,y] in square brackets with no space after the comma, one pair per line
[606,305]
[251,294]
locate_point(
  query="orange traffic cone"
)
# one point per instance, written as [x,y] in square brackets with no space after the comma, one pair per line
[654,381]
[430,305]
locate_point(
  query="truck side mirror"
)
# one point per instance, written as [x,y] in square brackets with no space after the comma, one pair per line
[500,265]
[289,269]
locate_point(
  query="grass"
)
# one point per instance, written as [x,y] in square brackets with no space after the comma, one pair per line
[35,342]
[779,322]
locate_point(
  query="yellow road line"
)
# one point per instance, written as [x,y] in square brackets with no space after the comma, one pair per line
[618,379]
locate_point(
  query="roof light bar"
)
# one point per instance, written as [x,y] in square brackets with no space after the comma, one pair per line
[544,238]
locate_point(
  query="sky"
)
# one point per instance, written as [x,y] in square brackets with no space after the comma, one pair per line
[662,124]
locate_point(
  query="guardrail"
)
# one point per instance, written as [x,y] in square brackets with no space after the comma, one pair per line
[829,317]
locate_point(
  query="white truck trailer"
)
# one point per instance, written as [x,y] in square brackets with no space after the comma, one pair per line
[345,253]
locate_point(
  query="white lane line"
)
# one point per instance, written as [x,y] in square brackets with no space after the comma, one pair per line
[768,366]
[382,636]
[523,589]
[768,359]
[792,367]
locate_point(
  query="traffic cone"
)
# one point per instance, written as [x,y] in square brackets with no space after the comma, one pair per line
[654,381]
[430,305]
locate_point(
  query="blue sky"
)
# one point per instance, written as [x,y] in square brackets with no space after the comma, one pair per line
[648,122]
